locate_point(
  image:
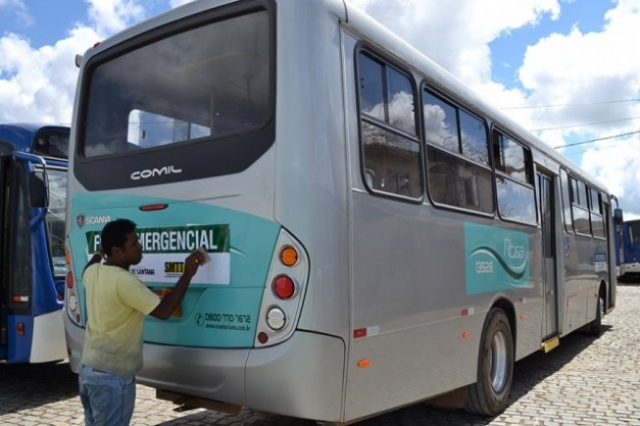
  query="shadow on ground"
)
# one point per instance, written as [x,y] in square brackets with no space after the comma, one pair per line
[27,386]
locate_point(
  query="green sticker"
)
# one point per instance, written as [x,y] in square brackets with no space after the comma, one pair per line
[185,239]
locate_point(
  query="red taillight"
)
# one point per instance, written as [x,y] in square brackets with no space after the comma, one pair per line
[153,207]
[263,337]
[20,329]
[283,287]
[69,280]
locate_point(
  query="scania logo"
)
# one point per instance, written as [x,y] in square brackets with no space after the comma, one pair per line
[199,319]
[149,173]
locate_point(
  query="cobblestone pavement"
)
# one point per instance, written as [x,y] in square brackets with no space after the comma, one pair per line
[585,381]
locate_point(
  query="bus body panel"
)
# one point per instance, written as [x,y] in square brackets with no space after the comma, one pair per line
[48,338]
[315,361]
[581,280]
[19,347]
[408,290]
[311,173]
[236,274]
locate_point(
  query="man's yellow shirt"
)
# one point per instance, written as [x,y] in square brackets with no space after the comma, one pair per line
[117,302]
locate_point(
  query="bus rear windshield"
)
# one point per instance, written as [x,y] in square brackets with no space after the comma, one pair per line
[204,83]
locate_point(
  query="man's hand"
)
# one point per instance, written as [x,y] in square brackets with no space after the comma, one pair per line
[191,263]
[169,303]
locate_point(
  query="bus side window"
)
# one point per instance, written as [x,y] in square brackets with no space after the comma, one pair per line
[514,180]
[580,207]
[390,143]
[459,174]
[566,201]
[597,221]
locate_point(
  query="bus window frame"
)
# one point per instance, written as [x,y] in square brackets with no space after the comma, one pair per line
[599,213]
[90,170]
[426,86]
[529,164]
[565,186]
[375,54]
[574,204]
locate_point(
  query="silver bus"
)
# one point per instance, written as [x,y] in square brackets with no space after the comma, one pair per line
[379,235]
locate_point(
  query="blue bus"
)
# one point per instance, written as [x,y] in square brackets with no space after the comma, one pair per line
[629,258]
[33,181]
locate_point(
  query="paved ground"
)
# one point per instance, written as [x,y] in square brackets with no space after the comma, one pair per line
[586,381]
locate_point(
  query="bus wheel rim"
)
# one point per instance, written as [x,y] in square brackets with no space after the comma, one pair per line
[498,362]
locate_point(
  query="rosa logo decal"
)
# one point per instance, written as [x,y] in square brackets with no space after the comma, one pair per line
[515,272]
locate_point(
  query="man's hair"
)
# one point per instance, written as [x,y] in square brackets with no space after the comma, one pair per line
[114,234]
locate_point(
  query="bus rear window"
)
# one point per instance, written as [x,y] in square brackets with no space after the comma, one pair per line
[203,83]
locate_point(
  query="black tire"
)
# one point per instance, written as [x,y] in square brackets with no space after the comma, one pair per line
[489,395]
[595,326]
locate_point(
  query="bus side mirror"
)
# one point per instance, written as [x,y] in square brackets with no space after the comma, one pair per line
[37,192]
[617,216]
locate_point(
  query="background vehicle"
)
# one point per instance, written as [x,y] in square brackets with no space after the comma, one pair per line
[379,235]
[33,180]
[629,263]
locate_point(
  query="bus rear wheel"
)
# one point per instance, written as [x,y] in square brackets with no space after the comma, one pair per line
[489,395]
[595,327]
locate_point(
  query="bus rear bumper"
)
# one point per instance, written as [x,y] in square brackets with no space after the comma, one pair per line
[301,377]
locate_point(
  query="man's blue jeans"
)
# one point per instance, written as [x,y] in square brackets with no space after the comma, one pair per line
[107,399]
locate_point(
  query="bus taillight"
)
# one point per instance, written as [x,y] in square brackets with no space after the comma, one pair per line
[284,287]
[284,290]
[70,281]
[20,329]
[289,256]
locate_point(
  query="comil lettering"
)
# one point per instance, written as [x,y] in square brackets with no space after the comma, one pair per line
[513,251]
[149,173]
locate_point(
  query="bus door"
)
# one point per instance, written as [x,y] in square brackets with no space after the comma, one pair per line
[547,209]
[15,261]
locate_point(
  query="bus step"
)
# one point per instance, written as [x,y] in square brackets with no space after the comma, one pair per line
[550,344]
[188,402]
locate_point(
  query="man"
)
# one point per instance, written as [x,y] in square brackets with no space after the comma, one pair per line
[117,302]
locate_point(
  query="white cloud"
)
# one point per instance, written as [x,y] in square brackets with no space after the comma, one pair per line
[589,68]
[41,82]
[111,16]
[38,84]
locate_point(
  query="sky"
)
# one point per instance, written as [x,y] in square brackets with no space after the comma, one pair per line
[567,70]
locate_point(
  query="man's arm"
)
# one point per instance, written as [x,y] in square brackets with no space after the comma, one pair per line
[170,302]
